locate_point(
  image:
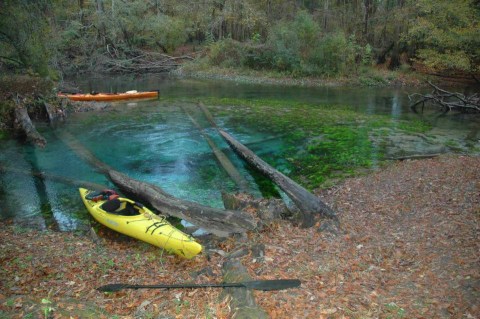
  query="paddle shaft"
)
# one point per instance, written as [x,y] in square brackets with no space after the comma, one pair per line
[207,285]
[257,284]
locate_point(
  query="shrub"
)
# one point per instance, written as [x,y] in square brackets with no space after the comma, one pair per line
[285,45]
[227,53]
[334,54]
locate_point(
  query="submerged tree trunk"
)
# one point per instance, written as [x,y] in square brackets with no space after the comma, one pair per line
[221,157]
[308,203]
[218,221]
[52,177]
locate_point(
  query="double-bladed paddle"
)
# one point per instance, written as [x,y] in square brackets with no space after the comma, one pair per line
[278,284]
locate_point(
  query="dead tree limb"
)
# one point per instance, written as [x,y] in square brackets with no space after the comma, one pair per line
[24,125]
[220,222]
[446,100]
[308,203]
[144,62]
[221,157]
[414,157]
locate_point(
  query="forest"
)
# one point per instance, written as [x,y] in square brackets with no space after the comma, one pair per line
[300,38]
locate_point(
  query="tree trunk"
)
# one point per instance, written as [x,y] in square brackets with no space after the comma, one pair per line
[308,203]
[221,157]
[24,124]
[220,222]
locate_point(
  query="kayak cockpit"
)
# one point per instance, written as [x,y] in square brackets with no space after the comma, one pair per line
[123,208]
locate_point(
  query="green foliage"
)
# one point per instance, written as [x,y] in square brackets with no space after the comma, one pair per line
[285,44]
[333,55]
[140,27]
[298,47]
[227,53]
[24,32]
[447,35]
[289,37]
[367,56]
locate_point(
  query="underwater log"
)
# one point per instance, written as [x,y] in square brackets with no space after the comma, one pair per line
[308,203]
[218,221]
[221,156]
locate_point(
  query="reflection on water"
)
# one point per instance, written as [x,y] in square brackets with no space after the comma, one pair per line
[154,141]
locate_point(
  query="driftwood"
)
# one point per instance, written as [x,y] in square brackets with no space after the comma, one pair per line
[414,157]
[447,101]
[220,222]
[308,203]
[24,124]
[143,62]
[221,157]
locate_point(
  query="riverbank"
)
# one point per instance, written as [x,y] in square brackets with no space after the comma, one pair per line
[410,249]
[368,77]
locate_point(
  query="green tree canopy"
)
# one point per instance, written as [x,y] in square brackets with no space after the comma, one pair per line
[447,34]
[24,31]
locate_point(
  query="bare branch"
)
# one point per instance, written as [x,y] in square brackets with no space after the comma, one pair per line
[447,101]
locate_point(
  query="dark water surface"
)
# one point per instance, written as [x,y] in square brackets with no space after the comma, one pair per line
[155,141]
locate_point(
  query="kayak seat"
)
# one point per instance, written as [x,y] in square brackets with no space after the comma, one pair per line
[129,211]
[111,205]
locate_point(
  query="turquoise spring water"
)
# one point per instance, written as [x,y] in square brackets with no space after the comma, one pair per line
[154,141]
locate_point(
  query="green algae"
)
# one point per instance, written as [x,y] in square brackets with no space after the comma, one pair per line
[321,142]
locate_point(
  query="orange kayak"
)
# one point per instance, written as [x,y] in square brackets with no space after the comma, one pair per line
[110,96]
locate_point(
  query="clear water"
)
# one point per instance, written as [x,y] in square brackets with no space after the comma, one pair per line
[154,141]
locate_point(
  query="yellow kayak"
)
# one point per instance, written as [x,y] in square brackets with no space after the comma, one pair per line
[135,220]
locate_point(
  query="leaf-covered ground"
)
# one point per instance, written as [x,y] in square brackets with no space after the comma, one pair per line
[410,249]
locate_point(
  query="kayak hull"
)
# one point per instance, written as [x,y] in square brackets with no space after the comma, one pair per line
[144,225]
[111,96]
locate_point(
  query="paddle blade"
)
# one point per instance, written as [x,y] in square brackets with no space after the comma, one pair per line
[112,287]
[267,285]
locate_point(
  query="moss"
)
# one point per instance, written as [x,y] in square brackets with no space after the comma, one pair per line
[321,142]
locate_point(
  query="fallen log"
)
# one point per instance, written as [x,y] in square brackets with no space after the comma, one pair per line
[54,114]
[308,203]
[220,222]
[24,125]
[221,157]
